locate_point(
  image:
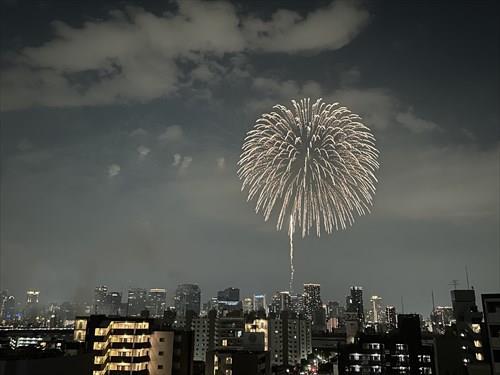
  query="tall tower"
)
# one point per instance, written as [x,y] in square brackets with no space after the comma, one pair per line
[32,297]
[157,302]
[355,304]
[136,302]
[259,302]
[391,316]
[100,293]
[187,298]
[312,300]
[376,309]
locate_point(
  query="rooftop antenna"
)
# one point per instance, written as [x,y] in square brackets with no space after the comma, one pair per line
[433,304]
[454,283]
[467,276]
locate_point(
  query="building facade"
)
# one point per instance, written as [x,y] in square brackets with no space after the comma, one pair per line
[491,309]
[187,298]
[134,345]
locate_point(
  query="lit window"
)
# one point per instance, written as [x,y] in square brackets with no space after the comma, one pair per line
[476,328]
[478,344]
[479,356]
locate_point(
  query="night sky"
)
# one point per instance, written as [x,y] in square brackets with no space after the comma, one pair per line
[121,126]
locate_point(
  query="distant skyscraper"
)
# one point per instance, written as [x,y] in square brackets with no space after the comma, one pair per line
[441,317]
[355,303]
[229,294]
[229,299]
[157,302]
[9,309]
[32,297]
[285,300]
[113,303]
[259,302]
[247,305]
[297,303]
[376,312]
[100,293]
[32,306]
[391,316]
[136,301]
[312,299]
[3,298]
[187,298]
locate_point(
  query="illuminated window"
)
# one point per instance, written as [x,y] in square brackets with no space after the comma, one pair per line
[479,356]
[478,344]
[476,328]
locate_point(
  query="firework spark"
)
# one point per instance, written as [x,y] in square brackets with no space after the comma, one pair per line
[315,162]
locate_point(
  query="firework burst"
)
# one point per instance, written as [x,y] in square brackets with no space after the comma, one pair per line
[315,163]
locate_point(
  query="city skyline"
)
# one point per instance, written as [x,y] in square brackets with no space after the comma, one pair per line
[124,174]
[206,298]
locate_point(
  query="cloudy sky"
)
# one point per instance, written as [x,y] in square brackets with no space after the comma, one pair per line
[121,126]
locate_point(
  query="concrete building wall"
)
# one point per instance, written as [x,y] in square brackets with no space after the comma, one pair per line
[161,352]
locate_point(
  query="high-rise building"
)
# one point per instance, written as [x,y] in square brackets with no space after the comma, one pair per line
[32,297]
[9,309]
[228,299]
[442,317]
[281,302]
[113,304]
[259,302]
[376,312]
[491,309]
[134,345]
[335,314]
[32,305]
[205,330]
[229,330]
[313,307]
[259,326]
[462,348]
[187,298]
[297,303]
[157,302]
[3,298]
[136,301]
[312,299]
[247,305]
[289,339]
[100,293]
[401,352]
[391,316]
[229,294]
[466,315]
[355,303]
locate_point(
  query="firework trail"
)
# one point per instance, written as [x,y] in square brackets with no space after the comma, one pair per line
[315,163]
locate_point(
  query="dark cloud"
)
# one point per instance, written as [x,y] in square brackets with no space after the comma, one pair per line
[137,56]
